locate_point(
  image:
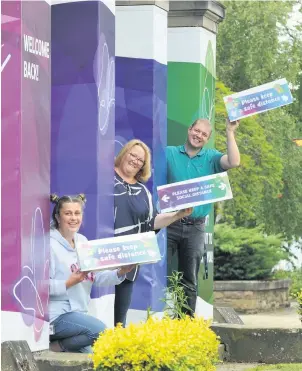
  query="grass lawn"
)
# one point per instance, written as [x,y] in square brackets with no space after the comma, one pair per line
[287,367]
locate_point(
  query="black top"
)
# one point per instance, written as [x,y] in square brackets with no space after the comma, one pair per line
[133,210]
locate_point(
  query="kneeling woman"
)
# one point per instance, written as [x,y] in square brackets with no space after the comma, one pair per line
[73,329]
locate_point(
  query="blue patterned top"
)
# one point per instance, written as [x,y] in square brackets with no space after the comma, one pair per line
[133,210]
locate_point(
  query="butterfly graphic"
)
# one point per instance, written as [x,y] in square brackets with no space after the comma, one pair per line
[31,291]
[104,73]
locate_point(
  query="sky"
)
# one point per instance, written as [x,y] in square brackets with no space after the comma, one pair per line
[296,17]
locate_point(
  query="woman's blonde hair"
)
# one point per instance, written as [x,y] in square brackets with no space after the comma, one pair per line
[144,173]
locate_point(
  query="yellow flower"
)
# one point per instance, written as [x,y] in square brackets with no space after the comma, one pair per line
[167,344]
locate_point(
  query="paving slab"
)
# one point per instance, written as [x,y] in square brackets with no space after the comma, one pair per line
[281,318]
[236,366]
[54,361]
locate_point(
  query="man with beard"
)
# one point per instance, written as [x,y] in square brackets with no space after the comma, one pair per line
[188,161]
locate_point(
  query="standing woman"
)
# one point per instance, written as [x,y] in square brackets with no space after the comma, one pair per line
[134,211]
[73,329]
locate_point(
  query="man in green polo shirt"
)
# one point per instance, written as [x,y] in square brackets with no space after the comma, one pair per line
[188,161]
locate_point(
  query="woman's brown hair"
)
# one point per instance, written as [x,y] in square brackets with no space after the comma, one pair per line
[59,201]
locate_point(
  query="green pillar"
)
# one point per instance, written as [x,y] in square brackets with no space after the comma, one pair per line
[192,29]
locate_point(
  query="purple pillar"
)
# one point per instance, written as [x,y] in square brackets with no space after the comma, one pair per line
[25,69]
[82,110]
[82,117]
[141,88]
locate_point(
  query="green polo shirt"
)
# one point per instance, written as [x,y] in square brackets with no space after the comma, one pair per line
[182,167]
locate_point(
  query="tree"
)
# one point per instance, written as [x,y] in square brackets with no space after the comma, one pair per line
[255,45]
[258,42]
[259,252]
[284,214]
[267,186]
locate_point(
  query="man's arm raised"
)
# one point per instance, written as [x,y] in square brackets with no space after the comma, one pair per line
[232,158]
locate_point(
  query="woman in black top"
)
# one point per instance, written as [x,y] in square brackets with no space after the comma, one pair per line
[134,211]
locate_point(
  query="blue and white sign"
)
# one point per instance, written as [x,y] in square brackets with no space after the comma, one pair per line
[259,99]
[194,192]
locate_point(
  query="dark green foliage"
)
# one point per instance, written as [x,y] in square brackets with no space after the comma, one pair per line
[295,276]
[245,253]
[256,45]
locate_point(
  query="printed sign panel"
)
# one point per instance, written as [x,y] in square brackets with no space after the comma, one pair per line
[25,172]
[259,99]
[194,192]
[110,253]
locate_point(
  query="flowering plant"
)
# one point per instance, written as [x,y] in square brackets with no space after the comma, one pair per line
[158,345]
[175,343]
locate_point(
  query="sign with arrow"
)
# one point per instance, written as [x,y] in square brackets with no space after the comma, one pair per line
[259,99]
[194,192]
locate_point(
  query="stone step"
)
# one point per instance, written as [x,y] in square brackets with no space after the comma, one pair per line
[241,343]
[51,361]
[260,345]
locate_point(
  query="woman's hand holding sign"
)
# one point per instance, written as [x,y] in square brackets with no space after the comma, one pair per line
[125,269]
[184,213]
[165,219]
[75,278]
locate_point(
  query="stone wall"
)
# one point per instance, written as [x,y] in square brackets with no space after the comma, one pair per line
[259,345]
[252,296]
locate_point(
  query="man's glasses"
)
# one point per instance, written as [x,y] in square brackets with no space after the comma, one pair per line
[134,157]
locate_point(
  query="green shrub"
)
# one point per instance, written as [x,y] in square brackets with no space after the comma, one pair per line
[299,300]
[158,345]
[295,276]
[175,343]
[245,253]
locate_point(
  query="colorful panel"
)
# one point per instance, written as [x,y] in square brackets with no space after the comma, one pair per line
[191,93]
[82,131]
[141,114]
[26,171]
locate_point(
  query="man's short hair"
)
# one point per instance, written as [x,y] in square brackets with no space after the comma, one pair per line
[202,121]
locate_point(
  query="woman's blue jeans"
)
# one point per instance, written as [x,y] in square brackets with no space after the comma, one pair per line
[76,332]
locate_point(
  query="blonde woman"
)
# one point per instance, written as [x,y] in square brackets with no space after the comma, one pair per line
[134,211]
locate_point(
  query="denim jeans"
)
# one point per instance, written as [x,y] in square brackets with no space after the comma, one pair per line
[123,294]
[76,332]
[187,241]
